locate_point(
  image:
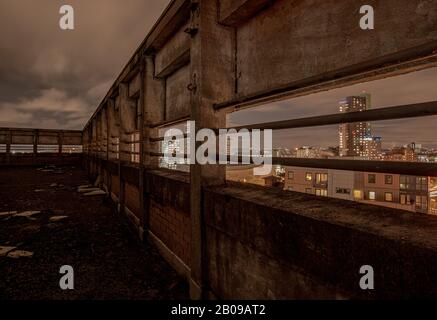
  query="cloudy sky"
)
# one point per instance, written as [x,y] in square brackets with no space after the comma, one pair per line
[51,78]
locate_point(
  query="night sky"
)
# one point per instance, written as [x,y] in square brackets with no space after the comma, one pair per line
[51,78]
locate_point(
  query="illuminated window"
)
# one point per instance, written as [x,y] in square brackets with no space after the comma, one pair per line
[322,192]
[358,195]
[309,176]
[372,195]
[389,197]
[321,177]
[290,175]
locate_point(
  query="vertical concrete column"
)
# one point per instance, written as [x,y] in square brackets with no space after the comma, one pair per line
[121,138]
[35,145]
[108,141]
[141,185]
[211,82]
[60,142]
[153,96]
[8,146]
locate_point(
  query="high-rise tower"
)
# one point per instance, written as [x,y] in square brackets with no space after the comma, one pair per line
[353,136]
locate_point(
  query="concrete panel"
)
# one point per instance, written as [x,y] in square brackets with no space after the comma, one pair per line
[132,200]
[295,40]
[46,139]
[28,139]
[113,120]
[72,140]
[172,51]
[104,124]
[177,94]
[3,138]
[155,94]
[172,227]
[134,86]
[127,111]
[233,12]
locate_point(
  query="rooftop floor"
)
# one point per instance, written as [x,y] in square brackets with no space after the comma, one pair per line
[108,261]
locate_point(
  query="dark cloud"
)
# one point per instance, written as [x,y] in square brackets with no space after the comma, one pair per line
[51,78]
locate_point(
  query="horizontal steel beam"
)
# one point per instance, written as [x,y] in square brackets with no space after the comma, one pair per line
[413,59]
[392,167]
[169,122]
[389,113]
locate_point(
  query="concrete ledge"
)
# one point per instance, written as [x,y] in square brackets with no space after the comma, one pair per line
[234,12]
[286,245]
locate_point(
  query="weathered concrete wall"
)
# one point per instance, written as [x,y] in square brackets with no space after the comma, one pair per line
[170,212]
[296,40]
[172,227]
[173,54]
[133,200]
[177,95]
[267,244]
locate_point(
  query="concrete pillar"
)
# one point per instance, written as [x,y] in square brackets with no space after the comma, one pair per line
[8,146]
[144,205]
[35,145]
[121,155]
[154,104]
[60,142]
[211,81]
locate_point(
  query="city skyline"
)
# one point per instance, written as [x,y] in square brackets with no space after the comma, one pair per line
[411,88]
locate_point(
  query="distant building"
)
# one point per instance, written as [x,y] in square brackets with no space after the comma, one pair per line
[372,147]
[401,154]
[410,193]
[352,136]
[244,174]
[307,152]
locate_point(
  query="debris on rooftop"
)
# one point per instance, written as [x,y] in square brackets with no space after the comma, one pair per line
[86,190]
[27,214]
[7,213]
[58,218]
[5,250]
[96,193]
[20,254]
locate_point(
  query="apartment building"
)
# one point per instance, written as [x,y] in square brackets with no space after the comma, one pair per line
[323,182]
[411,193]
